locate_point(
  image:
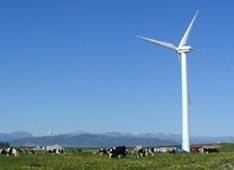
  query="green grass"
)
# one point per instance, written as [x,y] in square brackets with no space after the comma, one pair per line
[227,147]
[87,160]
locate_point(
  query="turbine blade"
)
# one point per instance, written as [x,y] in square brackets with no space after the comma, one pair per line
[186,34]
[161,43]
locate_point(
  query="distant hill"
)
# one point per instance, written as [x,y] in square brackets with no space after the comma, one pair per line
[193,139]
[85,139]
[207,139]
[4,137]
[91,140]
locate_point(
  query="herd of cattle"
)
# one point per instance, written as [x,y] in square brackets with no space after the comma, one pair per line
[122,151]
[112,152]
[13,151]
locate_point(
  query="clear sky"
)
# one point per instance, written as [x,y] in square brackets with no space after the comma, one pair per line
[67,66]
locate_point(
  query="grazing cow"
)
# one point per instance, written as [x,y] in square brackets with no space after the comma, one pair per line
[59,151]
[161,150]
[26,152]
[15,152]
[209,150]
[150,151]
[50,151]
[3,152]
[196,149]
[55,149]
[140,151]
[145,151]
[12,152]
[119,151]
[205,148]
[103,151]
[171,150]
[31,152]
[166,150]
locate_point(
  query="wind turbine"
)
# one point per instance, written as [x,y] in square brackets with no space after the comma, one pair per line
[182,51]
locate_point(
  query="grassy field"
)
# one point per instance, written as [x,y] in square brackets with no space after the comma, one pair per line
[87,160]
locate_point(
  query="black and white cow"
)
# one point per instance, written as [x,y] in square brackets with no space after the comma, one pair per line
[117,152]
[150,151]
[209,150]
[55,149]
[103,151]
[172,150]
[12,152]
[166,150]
[141,152]
[3,152]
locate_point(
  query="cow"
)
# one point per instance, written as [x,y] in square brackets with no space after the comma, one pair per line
[196,149]
[171,150]
[166,150]
[150,151]
[3,152]
[51,151]
[103,151]
[31,152]
[117,152]
[209,150]
[57,149]
[12,152]
[140,151]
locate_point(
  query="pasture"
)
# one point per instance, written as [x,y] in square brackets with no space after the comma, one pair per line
[89,159]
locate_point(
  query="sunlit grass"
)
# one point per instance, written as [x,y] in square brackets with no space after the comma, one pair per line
[88,161]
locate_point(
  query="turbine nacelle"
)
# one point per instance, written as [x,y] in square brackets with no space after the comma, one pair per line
[184,49]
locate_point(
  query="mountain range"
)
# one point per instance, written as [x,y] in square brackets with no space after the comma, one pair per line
[85,139]
[4,137]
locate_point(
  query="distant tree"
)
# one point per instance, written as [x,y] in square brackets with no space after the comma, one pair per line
[4,145]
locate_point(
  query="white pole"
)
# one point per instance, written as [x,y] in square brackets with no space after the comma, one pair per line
[185,104]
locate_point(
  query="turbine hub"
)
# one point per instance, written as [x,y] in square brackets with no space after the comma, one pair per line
[184,49]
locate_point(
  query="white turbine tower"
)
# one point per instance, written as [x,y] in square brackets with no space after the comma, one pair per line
[182,51]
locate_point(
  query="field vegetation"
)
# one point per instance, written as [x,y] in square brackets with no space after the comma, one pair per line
[89,159]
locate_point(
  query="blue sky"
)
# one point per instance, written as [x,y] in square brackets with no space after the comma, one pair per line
[77,65]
